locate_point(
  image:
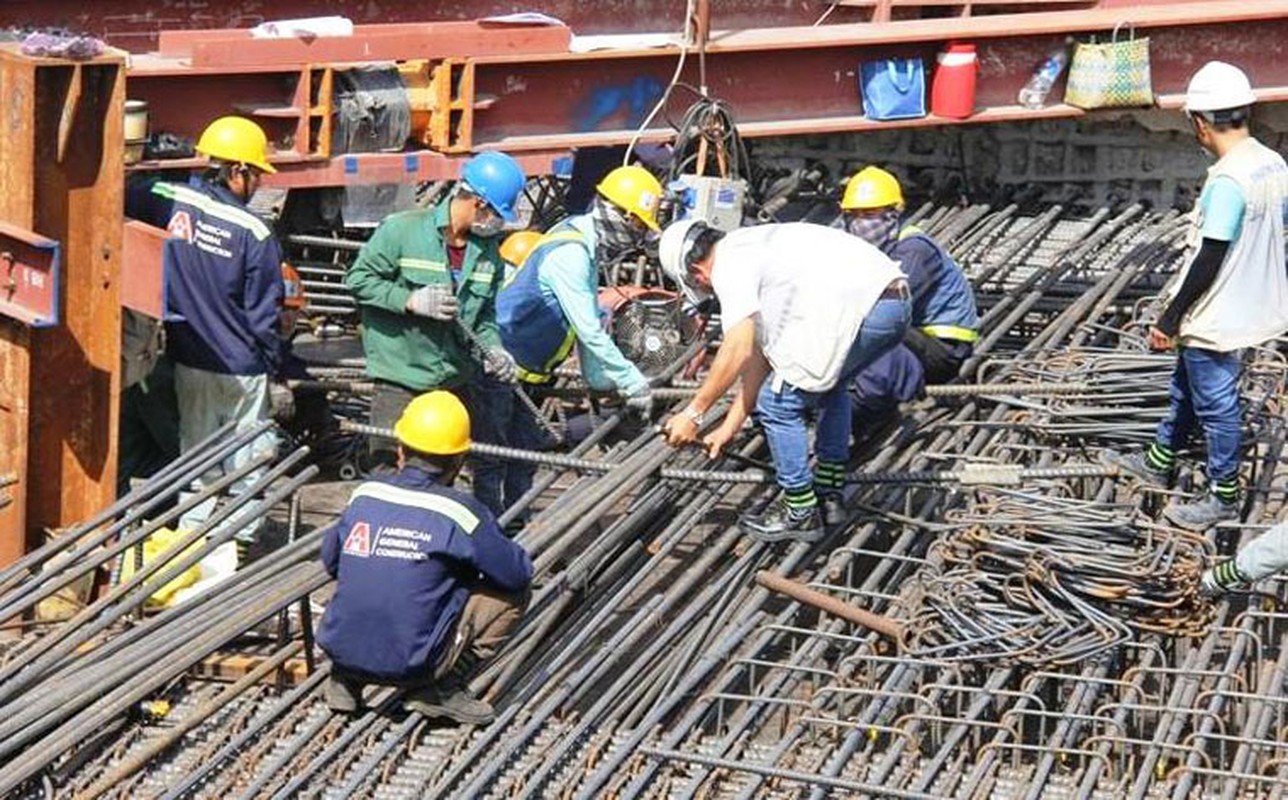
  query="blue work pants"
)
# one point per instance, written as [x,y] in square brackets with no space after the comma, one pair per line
[1205,394]
[782,409]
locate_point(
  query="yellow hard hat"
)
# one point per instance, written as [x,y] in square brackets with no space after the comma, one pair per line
[435,423]
[238,140]
[871,187]
[634,190]
[517,245]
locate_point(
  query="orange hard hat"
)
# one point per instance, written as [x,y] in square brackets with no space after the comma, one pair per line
[517,245]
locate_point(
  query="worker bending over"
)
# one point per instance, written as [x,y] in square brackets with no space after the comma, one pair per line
[803,309]
[945,324]
[552,302]
[423,275]
[1264,556]
[1232,293]
[427,585]
[223,295]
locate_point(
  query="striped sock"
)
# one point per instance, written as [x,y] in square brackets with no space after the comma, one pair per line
[801,501]
[1160,457]
[1226,490]
[829,477]
[1227,574]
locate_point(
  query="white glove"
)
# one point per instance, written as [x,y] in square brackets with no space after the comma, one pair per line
[281,401]
[498,363]
[641,404]
[435,301]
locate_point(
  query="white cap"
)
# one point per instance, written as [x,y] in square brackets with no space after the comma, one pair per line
[673,250]
[1218,86]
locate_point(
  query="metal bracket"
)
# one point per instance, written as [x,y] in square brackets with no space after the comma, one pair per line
[30,277]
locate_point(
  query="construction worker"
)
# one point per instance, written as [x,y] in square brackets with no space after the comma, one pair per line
[224,292]
[1231,293]
[803,309]
[424,275]
[427,586]
[521,428]
[1264,556]
[945,324]
[552,301]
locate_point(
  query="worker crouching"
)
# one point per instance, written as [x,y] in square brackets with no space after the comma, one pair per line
[803,309]
[427,585]
[945,323]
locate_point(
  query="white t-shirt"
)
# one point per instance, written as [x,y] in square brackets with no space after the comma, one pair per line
[808,287]
[1247,304]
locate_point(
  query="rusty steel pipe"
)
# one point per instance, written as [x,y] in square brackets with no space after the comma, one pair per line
[825,602]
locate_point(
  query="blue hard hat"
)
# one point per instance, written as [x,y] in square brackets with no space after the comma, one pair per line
[497,179]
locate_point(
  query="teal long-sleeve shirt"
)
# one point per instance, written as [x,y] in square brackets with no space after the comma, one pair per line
[570,275]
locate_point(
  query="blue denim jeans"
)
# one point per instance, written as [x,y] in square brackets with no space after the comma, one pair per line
[783,413]
[1205,394]
[498,483]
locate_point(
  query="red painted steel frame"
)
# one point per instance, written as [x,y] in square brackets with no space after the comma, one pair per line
[30,273]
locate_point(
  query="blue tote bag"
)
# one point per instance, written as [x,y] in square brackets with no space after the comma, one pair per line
[893,88]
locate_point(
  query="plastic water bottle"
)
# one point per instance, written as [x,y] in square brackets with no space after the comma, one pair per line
[1034,93]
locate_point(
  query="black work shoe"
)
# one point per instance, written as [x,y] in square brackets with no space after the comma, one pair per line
[1136,466]
[780,522]
[343,694]
[833,509]
[451,701]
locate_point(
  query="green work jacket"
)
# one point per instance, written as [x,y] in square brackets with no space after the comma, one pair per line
[407,251]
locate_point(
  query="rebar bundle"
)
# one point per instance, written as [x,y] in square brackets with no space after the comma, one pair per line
[1053,645]
[1062,582]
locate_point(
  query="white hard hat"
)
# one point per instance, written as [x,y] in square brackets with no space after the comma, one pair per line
[673,251]
[1218,86]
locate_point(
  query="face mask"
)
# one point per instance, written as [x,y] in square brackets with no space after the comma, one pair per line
[615,234]
[876,229]
[491,226]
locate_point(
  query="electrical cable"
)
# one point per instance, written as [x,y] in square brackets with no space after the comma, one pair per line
[675,79]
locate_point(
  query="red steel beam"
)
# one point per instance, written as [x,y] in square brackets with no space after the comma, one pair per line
[588,99]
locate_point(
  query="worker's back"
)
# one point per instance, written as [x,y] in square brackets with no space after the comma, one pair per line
[406,555]
[223,282]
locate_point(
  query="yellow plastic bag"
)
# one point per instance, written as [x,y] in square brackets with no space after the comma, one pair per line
[160,545]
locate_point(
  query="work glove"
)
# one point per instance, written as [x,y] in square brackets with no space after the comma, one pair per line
[1219,579]
[435,301]
[641,405]
[498,363]
[281,402]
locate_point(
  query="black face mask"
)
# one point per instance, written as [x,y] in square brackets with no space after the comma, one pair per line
[616,236]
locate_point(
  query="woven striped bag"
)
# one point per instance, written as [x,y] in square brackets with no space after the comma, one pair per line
[1112,74]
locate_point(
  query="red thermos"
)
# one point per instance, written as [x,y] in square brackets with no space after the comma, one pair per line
[952,92]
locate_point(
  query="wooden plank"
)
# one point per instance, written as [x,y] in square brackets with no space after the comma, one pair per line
[233,667]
